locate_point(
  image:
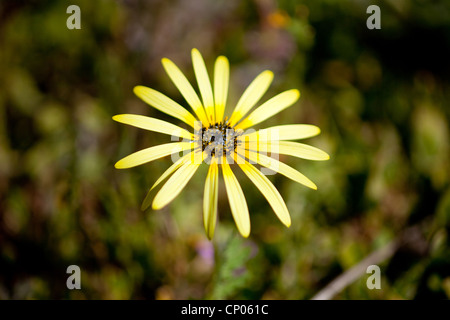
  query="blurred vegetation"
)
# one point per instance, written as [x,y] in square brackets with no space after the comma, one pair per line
[381,98]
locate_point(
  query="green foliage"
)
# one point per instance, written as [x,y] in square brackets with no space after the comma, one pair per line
[232,274]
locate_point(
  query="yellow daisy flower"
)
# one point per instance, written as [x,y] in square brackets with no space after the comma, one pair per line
[220,141]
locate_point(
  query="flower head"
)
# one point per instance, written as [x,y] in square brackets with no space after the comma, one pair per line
[220,141]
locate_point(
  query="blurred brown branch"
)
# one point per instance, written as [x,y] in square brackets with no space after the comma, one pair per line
[411,235]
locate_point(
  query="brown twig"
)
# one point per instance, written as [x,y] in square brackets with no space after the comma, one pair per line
[351,275]
[354,273]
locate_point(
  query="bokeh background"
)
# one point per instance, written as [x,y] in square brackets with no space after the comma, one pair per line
[381,98]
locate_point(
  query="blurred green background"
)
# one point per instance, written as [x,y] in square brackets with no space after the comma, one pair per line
[381,98]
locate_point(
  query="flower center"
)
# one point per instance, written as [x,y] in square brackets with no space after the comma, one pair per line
[219,139]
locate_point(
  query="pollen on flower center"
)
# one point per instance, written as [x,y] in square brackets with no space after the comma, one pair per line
[219,139]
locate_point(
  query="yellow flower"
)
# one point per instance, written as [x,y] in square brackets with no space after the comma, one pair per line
[220,141]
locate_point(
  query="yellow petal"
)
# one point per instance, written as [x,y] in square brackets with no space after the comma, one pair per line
[147,201]
[221,79]
[269,191]
[210,198]
[251,95]
[152,153]
[153,124]
[237,201]
[174,185]
[204,84]
[283,132]
[164,104]
[172,169]
[270,108]
[282,168]
[289,148]
[185,88]
[148,198]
